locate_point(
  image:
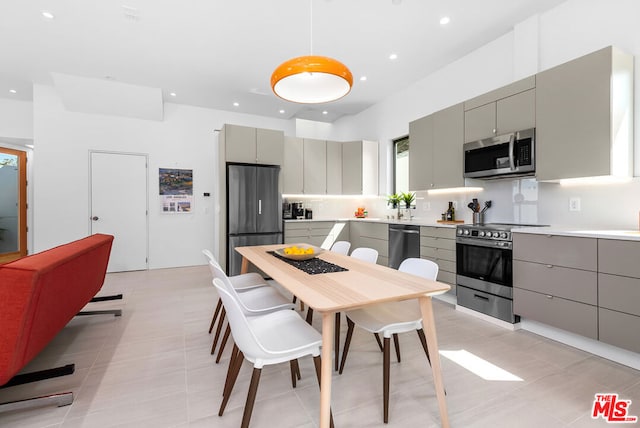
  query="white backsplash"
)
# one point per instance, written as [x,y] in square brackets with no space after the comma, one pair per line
[603,206]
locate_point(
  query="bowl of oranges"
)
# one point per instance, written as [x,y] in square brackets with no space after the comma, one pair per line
[299,252]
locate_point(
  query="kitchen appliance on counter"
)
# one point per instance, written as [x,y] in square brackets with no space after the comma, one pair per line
[254,209]
[484,260]
[287,211]
[297,209]
[507,155]
[404,242]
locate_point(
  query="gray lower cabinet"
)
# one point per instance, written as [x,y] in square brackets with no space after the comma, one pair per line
[371,235]
[586,286]
[619,293]
[555,281]
[319,233]
[562,313]
[438,244]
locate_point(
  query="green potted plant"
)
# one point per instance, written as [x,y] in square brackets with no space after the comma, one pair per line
[393,200]
[408,198]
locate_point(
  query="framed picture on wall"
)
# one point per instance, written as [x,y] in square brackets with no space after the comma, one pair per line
[176,190]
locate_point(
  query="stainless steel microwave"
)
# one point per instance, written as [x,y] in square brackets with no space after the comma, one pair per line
[506,155]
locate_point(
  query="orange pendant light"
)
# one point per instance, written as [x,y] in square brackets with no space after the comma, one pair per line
[311,79]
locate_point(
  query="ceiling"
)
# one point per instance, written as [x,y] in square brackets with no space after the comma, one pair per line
[214,53]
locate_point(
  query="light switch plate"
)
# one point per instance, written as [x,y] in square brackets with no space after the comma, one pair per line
[574,204]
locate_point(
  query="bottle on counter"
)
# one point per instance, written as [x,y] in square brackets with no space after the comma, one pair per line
[451,212]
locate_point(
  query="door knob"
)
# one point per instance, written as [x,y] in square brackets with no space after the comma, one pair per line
[95,218]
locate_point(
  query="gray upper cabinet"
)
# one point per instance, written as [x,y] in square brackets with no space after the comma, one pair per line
[584,111]
[315,166]
[334,167]
[447,147]
[292,168]
[269,147]
[251,145]
[421,153]
[435,159]
[506,109]
[360,168]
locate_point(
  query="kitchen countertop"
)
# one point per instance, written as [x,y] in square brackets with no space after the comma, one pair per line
[629,235]
[414,221]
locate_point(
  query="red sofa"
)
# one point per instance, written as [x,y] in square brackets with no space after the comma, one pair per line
[41,293]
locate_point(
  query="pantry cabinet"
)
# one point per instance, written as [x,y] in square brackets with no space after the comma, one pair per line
[584,117]
[252,145]
[507,109]
[435,159]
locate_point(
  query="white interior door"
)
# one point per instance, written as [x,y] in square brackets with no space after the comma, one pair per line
[119,207]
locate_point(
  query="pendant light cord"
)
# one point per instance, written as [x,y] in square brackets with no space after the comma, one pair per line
[310,27]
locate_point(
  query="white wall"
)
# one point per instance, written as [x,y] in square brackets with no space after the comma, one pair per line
[184,139]
[16,119]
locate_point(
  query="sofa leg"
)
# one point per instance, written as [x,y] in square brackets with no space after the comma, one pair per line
[40,375]
[62,399]
[114,312]
[105,298]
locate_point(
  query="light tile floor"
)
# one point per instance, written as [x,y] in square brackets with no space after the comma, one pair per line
[152,368]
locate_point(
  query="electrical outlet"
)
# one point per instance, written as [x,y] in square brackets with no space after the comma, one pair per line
[455,205]
[574,204]
[426,206]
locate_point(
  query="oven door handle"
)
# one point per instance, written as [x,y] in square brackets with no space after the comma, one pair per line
[503,245]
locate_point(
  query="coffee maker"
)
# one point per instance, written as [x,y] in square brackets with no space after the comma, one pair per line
[297,210]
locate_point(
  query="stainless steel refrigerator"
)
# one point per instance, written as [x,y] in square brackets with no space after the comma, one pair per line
[254,209]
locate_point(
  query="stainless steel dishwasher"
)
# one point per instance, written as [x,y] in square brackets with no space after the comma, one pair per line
[404,242]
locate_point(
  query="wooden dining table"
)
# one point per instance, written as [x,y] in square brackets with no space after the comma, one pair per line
[360,285]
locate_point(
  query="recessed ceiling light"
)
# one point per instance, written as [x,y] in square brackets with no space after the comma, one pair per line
[363,78]
[47,15]
[281,111]
[236,104]
[13,91]
[393,56]
[445,20]
[173,94]
[325,112]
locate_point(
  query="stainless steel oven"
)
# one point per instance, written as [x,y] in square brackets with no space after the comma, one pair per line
[484,270]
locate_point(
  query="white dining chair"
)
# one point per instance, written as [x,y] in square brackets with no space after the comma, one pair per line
[367,254]
[241,283]
[341,247]
[257,301]
[263,340]
[389,319]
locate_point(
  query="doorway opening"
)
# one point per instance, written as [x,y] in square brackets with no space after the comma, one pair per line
[13,204]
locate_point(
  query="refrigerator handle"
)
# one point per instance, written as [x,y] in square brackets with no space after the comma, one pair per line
[259,206]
